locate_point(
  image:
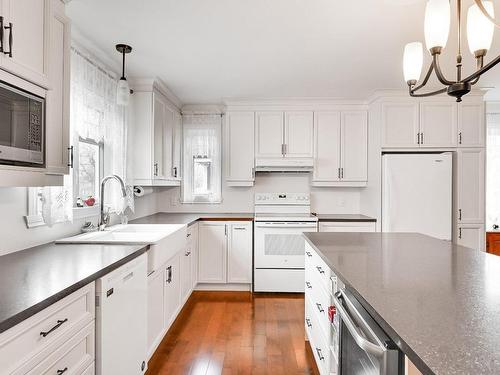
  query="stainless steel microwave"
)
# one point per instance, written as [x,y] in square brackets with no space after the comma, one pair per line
[22,127]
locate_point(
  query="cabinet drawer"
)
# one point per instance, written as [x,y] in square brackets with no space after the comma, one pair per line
[32,339]
[319,346]
[315,265]
[320,301]
[75,355]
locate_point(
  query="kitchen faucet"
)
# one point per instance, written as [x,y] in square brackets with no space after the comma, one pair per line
[104,218]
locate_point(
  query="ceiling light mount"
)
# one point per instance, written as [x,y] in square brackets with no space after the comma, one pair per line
[480,29]
[123,89]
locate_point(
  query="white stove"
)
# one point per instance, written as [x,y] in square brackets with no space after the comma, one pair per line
[280,220]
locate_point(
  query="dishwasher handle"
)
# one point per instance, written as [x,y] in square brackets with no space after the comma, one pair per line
[362,342]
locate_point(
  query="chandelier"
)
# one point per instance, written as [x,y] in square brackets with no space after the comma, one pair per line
[480,28]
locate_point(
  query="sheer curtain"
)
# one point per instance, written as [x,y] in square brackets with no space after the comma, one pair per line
[96,116]
[202,177]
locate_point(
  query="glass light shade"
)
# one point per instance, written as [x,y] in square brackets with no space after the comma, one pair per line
[437,23]
[479,28]
[412,61]
[122,92]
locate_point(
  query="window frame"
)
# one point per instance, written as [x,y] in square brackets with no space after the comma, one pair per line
[76,168]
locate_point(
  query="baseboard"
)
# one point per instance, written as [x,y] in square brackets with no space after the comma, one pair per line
[224,287]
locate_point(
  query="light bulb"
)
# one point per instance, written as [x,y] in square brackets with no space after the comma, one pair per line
[479,28]
[122,92]
[412,61]
[437,23]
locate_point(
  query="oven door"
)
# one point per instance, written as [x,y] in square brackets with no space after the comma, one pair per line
[365,349]
[281,244]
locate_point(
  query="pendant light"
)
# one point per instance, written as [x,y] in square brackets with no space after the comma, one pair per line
[480,29]
[123,89]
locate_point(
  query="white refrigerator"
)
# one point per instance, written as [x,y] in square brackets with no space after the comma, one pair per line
[417,193]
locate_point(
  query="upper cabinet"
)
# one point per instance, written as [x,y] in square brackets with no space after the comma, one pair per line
[340,148]
[26,39]
[239,156]
[410,123]
[284,134]
[155,137]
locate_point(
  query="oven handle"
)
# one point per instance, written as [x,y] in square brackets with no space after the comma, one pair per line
[281,225]
[363,343]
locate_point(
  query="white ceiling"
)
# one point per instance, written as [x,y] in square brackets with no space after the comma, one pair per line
[207,50]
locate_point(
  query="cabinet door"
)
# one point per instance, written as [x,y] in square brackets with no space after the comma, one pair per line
[171,289]
[347,227]
[193,240]
[400,125]
[212,252]
[177,146]
[354,146]
[29,39]
[471,235]
[471,186]
[155,309]
[269,134]
[185,273]
[159,115]
[471,125]
[438,124]
[57,105]
[299,128]
[240,160]
[326,147]
[239,262]
[168,143]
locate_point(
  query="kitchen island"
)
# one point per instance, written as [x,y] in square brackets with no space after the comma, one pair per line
[439,302]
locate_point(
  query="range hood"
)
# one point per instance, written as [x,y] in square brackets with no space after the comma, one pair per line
[283,164]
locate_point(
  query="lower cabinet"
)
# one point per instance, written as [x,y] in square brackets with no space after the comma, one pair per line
[186,260]
[193,248]
[171,290]
[471,235]
[347,226]
[225,252]
[155,309]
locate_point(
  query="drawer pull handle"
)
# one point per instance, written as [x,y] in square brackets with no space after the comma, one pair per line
[320,355]
[59,372]
[320,270]
[309,254]
[320,308]
[308,322]
[59,323]
[188,253]
[308,284]
[188,235]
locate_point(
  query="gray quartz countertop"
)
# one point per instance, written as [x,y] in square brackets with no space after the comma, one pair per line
[439,302]
[191,218]
[344,217]
[35,278]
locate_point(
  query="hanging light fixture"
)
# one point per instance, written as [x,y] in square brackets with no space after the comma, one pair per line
[123,89]
[480,28]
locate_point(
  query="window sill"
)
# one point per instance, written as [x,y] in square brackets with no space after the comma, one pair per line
[84,212]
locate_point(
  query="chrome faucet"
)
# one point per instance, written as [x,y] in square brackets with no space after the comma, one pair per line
[104,218]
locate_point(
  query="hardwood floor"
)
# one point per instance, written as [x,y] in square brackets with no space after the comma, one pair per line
[236,333]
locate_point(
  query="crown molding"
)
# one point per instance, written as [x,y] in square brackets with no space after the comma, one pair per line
[150,84]
[297,103]
[215,109]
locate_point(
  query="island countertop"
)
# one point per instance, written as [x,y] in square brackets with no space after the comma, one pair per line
[439,302]
[35,278]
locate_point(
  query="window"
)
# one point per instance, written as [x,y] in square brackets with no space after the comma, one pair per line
[202,159]
[88,169]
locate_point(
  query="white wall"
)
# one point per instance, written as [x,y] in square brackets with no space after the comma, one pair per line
[16,236]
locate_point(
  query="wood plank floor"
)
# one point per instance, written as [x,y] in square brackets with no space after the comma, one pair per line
[234,333]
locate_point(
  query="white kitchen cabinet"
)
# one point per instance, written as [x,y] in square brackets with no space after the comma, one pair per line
[177,147]
[269,135]
[340,149]
[27,38]
[471,186]
[347,226]
[239,257]
[212,252]
[354,147]
[156,317]
[327,140]
[471,235]
[438,124]
[400,123]
[186,259]
[171,291]
[152,137]
[240,148]
[57,102]
[193,246]
[298,134]
[471,124]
